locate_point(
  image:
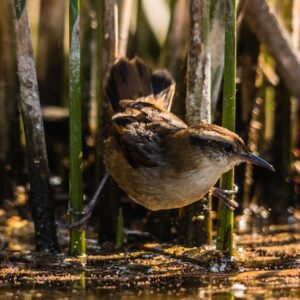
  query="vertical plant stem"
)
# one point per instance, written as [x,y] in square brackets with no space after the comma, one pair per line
[198,84]
[250,107]
[269,31]
[296,102]
[97,78]
[254,141]
[111,49]
[225,215]
[108,207]
[120,232]
[41,203]
[126,10]
[283,129]
[217,39]
[77,235]
[8,89]
[87,70]
[198,109]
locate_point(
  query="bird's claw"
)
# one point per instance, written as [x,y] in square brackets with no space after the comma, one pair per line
[88,209]
[223,196]
[84,215]
[229,192]
[74,212]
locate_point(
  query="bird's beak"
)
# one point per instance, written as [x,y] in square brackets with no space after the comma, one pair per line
[251,158]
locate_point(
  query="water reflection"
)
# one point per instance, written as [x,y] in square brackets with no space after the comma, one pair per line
[269,262]
[189,294]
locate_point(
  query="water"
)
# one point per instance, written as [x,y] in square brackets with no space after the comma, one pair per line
[265,266]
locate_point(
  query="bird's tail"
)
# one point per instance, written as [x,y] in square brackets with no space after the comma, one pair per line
[132,79]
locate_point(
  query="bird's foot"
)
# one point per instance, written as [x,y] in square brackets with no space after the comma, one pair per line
[74,212]
[86,213]
[223,196]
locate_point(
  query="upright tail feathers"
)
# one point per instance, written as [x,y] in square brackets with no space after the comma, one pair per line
[132,79]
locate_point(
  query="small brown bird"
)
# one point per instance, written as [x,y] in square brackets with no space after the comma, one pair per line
[155,157]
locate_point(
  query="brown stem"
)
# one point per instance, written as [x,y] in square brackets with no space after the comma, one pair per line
[41,203]
[263,22]
[198,109]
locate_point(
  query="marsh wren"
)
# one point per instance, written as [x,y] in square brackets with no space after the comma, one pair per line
[155,157]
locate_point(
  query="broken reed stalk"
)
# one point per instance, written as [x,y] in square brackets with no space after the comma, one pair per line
[225,215]
[262,20]
[198,109]
[41,203]
[77,235]
[126,10]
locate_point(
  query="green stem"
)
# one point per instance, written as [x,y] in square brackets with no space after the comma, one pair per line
[77,235]
[120,229]
[225,215]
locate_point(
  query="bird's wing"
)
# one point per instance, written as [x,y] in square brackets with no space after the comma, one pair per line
[140,131]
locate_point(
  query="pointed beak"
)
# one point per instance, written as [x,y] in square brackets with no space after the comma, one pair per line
[251,158]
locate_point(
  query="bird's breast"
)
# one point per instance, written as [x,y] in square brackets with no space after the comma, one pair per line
[159,188]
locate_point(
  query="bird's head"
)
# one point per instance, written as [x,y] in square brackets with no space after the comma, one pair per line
[222,146]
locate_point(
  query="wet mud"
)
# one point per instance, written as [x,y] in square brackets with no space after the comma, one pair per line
[266,265]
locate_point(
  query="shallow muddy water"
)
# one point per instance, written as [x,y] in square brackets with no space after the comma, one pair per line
[266,266]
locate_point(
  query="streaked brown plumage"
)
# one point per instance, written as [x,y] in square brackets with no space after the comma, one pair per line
[153,155]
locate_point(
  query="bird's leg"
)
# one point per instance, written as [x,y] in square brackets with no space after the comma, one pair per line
[88,209]
[223,196]
[72,211]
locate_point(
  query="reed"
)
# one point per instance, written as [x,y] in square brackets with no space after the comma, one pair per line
[120,229]
[40,200]
[198,109]
[98,78]
[109,208]
[225,215]
[77,235]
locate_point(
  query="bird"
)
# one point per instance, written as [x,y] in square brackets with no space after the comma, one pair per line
[153,155]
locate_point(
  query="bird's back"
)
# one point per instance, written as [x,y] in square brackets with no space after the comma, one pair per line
[140,101]
[149,151]
[141,126]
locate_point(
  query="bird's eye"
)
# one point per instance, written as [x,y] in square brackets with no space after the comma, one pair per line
[228,147]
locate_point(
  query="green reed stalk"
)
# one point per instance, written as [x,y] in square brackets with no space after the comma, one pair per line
[120,229]
[225,215]
[77,235]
